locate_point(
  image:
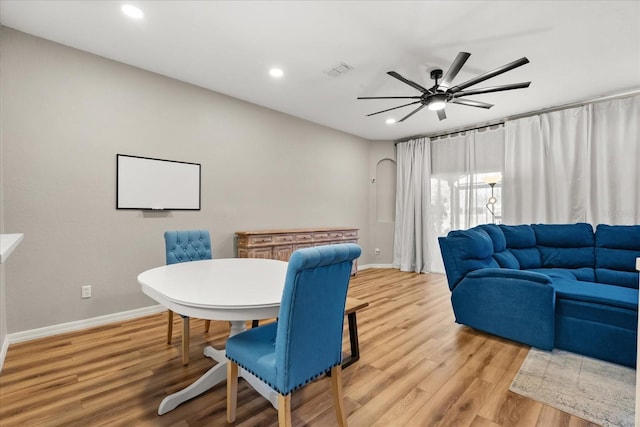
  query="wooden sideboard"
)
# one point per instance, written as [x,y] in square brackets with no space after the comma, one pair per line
[280,244]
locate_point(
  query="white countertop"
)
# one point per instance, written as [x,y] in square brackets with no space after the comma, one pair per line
[8,243]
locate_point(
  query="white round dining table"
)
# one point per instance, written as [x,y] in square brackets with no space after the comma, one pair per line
[233,289]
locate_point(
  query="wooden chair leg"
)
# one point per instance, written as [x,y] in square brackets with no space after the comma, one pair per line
[170,326]
[284,410]
[232,390]
[185,340]
[207,323]
[336,387]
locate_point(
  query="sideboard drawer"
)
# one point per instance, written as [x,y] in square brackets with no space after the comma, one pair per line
[323,235]
[306,237]
[258,240]
[284,238]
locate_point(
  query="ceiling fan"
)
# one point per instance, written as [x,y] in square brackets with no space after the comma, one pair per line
[437,97]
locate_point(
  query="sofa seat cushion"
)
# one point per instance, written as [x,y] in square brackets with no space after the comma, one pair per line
[609,295]
[585,274]
[560,273]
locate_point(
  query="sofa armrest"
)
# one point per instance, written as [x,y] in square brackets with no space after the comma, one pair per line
[506,273]
[514,304]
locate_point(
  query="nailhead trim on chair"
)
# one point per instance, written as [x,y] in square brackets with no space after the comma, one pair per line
[307,381]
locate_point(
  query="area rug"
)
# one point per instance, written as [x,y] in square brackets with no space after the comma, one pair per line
[597,391]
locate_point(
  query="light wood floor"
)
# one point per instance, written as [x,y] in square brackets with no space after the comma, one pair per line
[417,368]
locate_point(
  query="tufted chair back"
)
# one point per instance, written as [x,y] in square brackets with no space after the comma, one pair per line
[309,337]
[306,340]
[187,245]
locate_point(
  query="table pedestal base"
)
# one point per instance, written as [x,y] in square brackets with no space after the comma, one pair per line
[215,376]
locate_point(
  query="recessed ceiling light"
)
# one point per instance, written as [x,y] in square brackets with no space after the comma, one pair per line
[391,121]
[132,11]
[276,72]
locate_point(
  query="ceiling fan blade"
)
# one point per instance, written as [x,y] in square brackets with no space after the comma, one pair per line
[510,66]
[389,97]
[492,89]
[454,69]
[471,103]
[394,108]
[442,115]
[409,82]
[412,113]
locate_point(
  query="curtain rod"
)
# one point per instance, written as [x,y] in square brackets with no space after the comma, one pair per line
[521,116]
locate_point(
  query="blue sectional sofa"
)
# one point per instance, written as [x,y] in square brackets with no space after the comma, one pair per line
[549,285]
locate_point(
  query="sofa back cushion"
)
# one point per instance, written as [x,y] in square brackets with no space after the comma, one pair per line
[616,250]
[464,251]
[521,242]
[565,245]
[501,254]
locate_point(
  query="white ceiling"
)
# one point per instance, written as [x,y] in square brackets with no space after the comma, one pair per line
[578,50]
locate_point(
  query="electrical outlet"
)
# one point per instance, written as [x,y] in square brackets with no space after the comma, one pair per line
[86,291]
[377,251]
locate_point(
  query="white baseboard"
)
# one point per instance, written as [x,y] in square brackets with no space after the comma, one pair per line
[80,324]
[3,351]
[367,266]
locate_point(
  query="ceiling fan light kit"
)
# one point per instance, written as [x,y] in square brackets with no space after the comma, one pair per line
[437,102]
[437,97]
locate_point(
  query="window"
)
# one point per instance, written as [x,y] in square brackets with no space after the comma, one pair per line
[459,194]
[460,202]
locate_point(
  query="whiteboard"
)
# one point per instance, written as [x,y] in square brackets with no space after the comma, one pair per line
[156,184]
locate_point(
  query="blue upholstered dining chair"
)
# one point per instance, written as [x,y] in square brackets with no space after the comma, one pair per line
[306,340]
[185,246]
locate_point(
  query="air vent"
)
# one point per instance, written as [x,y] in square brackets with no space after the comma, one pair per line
[339,70]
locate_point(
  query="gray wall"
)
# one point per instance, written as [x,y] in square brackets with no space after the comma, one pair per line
[3,299]
[66,113]
[382,194]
